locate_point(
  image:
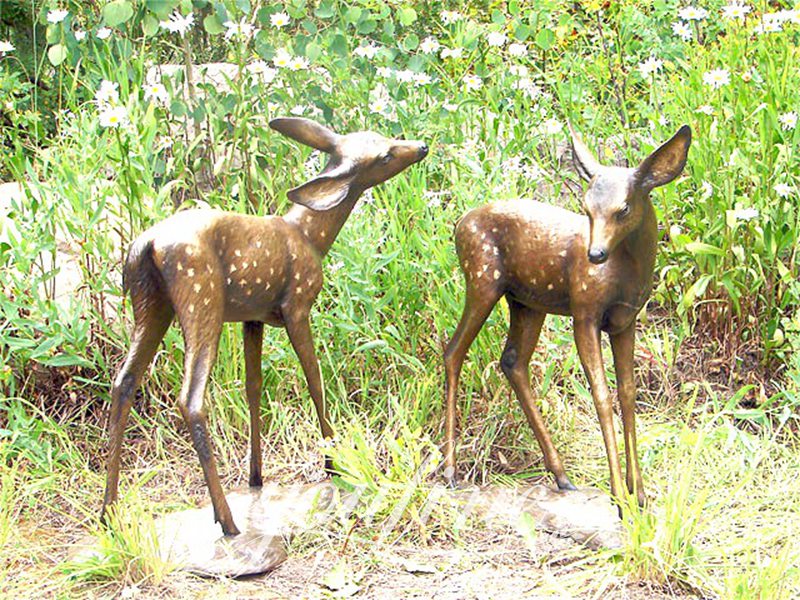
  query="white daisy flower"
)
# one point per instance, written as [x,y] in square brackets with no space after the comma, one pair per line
[784,190]
[80,35]
[107,93]
[368,51]
[56,16]
[692,13]
[242,29]
[298,63]
[114,117]
[404,75]
[496,39]
[745,214]
[717,78]
[384,72]
[282,58]
[450,106]
[735,11]
[706,190]
[472,82]
[451,53]
[156,92]
[262,70]
[422,79]
[705,109]
[788,120]
[451,16]
[552,126]
[429,45]
[103,33]
[517,49]
[178,23]
[682,30]
[650,67]
[770,23]
[280,19]
[6,46]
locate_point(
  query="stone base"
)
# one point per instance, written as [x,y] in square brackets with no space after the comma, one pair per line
[269,516]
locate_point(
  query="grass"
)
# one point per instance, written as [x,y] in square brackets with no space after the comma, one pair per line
[718,368]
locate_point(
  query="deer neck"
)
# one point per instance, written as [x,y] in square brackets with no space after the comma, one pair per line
[322,227]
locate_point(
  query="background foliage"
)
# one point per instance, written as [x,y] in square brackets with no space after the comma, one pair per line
[490,88]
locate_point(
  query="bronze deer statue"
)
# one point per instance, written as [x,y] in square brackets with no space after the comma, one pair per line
[211,267]
[597,268]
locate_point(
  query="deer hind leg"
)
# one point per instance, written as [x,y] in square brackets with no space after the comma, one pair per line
[152,318]
[253,336]
[477,307]
[622,346]
[523,334]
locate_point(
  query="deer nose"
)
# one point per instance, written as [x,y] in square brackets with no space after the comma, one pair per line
[423,150]
[597,256]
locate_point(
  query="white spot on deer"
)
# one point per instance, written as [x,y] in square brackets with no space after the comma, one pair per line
[243,282]
[197,287]
[307,218]
[309,282]
[299,289]
[305,232]
[189,251]
[224,238]
[479,274]
[258,244]
[297,276]
[269,285]
[466,264]
[323,234]
[486,247]
[533,280]
[271,271]
[210,269]
[211,283]
[191,308]
[179,266]
[552,262]
[494,229]
[483,235]
[496,251]
[206,301]
[245,264]
[473,228]
[237,252]
[229,280]
[496,274]
[584,287]
[549,286]
[563,253]
[248,292]
[190,272]
[560,280]
[255,264]
[233,268]
[258,280]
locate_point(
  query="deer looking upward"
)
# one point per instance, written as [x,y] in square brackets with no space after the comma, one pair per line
[209,267]
[596,268]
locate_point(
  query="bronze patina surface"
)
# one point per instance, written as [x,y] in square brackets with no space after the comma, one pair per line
[209,267]
[596,268]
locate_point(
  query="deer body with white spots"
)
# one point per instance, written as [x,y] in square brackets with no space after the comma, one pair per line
[208,267]
[596,268]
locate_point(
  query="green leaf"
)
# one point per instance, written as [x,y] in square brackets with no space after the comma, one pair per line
[213,25]
[150,25]
[353,14]
[324,10]
[313,51]
[406,15]
[545,39]
[410,42]
[57,54]
[161,8]
[117,12]
[701,248]
[367,26]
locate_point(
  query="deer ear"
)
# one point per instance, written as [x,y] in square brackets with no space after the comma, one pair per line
[326,190]
[306,132]
[665,163]
[585,162]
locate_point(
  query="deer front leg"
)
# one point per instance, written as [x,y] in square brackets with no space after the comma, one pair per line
[587,338]
[299,330]
[253,336]
[622,346]
[523,333]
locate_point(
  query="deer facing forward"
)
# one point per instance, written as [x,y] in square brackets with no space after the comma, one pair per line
[597,268]
[209,267]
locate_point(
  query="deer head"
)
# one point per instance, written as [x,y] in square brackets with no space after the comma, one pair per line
[357,161]
[618,197]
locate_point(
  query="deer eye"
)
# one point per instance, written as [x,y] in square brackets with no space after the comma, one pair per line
[386,158]
[624,212]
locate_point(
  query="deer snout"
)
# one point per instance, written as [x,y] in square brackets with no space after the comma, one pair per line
[598,256]
[422,150]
